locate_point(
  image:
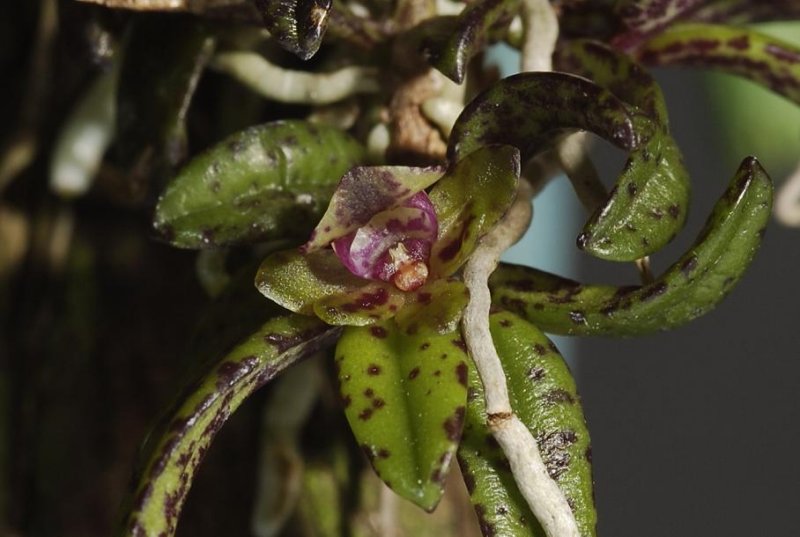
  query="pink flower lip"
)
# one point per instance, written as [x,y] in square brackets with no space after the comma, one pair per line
[394,246]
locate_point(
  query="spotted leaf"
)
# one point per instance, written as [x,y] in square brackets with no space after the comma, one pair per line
[694,285]
[616,72]
[404,397]
[176,448]
[478,25]
[364,192]
[648,205]
[469,200]
[644,18]
[747,11]
[263,183]
[541,106]
[437,306]
[318,284]
[544,397]
[298,25]
[766,60]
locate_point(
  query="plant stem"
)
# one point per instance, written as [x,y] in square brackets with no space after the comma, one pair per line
[545,498]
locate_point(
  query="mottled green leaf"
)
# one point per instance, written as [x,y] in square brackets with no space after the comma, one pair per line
[766,60]
[318,283]
[162,62]
[404,398]
[436,306]
[177,446]
[478,25]
[470,199]
[364,192]
[644,18]
[691,287]
[267,182]
[646,208]
[747,11]
[540,106]
[544,397]
[298,25]
[616,72]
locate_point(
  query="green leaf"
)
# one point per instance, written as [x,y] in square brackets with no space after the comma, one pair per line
[469,200]
[263,183]
[318,283]
[436,306]
[646,208]
[544,397]
[298,25]
[644,18]
[541,106]
[404,398]
[648,205]
[616,72]
[177,446]
[161,66]
[747,11]
[478,25]
[763,59]
[694,285]
[366,191]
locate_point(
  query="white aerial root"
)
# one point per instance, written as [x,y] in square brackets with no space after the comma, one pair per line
[787,202]
[85,136]
[540,24]
[545,498]
[301,87]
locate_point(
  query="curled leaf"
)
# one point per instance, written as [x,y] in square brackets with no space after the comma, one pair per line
[616,72]
[404,398]
[298,25]
[263,183]
[364,192]
[766,60]
[648,204]
[179,444]
[318,284]
[544,397]
[540,106]
[470,199]
[691,287]
[478,25]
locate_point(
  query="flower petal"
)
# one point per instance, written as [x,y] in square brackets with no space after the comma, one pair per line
[367,252]
[364,192]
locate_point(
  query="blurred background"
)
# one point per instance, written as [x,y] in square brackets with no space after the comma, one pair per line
[694,431]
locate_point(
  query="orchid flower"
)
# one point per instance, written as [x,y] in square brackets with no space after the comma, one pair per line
[385,243]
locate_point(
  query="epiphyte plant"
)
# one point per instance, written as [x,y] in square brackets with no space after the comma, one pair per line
[372,213]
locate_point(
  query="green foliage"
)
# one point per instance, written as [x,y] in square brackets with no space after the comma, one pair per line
[545,398]
[201,410]
[405,395]
[692,286]
[266,182]
[403,368]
